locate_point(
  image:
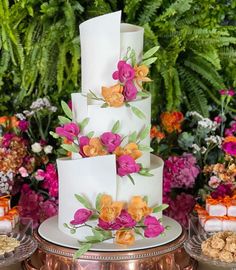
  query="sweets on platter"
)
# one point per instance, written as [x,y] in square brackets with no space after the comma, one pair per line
[7,244]
[221,246]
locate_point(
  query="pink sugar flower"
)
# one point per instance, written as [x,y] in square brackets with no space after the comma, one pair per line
[154,227]
[110,141]
[108,225]
[23,172]
[125,220]
[127,165]
[130,91]
[124,73]
[83,140]
[81,216]
[69,131]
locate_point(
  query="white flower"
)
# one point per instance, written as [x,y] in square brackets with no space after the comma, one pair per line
[203,149]
[196,114]
[196,148]
[53,109]
[208,124]
[20,116]
[48,149]
[214,139]
[36,147]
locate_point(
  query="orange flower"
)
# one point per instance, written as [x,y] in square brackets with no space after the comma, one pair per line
[113,95]
[105,200]
[125,237]
[3,119]
[66,141]
[171,121]
[230,139]
[138,208]
[13,122]
[111,211]
[130,149]
[141,73]
[95,148]
[155,133]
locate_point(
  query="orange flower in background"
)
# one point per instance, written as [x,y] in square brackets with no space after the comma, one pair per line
[3,120]
[111,211]
[9,121]
[94,148]
[113,95]
[138,208]
[171,121]
[130,149]
[230,139]
[125,237]
[13,122]
[141,73]
[155,133]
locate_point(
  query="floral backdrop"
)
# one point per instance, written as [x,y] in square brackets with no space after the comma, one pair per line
[193,95]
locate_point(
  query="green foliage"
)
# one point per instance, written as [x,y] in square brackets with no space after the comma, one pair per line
[40,49]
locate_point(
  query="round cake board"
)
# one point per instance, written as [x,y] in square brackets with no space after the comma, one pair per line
[49,231]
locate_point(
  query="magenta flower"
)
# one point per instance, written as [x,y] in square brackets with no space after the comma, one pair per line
[110,141]
[69,131]
[50,180]
[125,220]
[223,92]
[231,92]
[127,165]
[154,227]
[230,148]
[222,191]
[83,140]
[218,119]
[39,175]
[130,91]
[108,225]
[81,216]
[23,125]
[48,209]
[124,73]
[7,138]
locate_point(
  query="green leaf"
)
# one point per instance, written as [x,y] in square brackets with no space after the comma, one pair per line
[84,201]
[84,123]
[145,172]
[70,147]
[144,133]
[83,249]
[138,113]
[138,232]
[151,52]
[105,105]
[66,226]
[90,134]
[64,120]
[54,135]
[116,127]
[145,148]
[160,208]
[97,233]
[131,179]
[66,109]
[133,137]
[149,61]
[143,94]
[98,199]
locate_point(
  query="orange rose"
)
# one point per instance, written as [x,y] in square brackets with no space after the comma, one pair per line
[13,122]
[130,149]
[105,200]
[113,95]
[141,73]
[95,148]
[125,237]
[171,121]
[155,133]
[110,212]
[138,208]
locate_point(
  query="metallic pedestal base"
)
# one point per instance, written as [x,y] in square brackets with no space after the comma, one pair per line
[171,256]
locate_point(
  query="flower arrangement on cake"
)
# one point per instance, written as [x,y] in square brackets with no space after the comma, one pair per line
[27,162]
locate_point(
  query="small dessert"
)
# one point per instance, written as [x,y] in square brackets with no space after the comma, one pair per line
[7,244]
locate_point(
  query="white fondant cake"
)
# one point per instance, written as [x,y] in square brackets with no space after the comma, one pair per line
[104,41]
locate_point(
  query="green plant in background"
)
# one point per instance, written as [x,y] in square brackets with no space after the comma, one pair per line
[39,48]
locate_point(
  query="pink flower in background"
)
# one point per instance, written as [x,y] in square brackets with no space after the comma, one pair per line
[70,104]
[223,92]
[50,180]
[83,140]
[48,209]
[130,91]
[230,147]
[125,220]
[124,73]
[23,125]
[222,191]
[127,165]
[69,131]
[6,140]
[154,227]
[110,140]
[23,172]
[218,119]
[180,207]
[214,182]
[231,92]
[180,171]
[81,216]
[39,175]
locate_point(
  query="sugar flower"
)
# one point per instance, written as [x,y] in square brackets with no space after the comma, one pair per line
[113,95]
[127,165]
[110,141]
[154,227]
[124,73]
[138,208]
[125,237]
[69,131]
[94,148]
[81,216]
[130,91]
[130,149]
[141,73]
